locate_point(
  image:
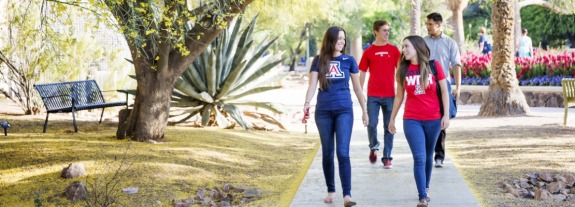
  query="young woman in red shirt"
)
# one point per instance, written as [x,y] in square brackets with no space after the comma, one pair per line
[422,120]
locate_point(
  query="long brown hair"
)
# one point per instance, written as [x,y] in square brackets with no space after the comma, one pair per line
[423,54]
[326,54]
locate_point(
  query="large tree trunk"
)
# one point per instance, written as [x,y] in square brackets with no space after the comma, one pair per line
[149,115]
[504,97]
[415,15]
[456,7]
[298,50]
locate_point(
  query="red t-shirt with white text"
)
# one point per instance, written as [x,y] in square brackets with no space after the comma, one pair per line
[381,62]
[422,104]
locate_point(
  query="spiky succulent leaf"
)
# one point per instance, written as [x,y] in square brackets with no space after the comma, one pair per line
[193,76]
[247,34]
[206,97]
[252,91]
[186,88]
[236,114]
[256,75]
[273,107]
[265,79]
[182,120]
[221,120]
[230,66]
[232,78]
[206,114]
[187,110]
[211,73]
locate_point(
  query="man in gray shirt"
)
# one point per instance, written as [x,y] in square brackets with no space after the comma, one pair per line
[446,51]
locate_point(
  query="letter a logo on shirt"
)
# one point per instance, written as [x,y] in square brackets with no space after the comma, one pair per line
[335,70]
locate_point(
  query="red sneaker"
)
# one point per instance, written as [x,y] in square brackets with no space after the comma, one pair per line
[387,164]
[372,156]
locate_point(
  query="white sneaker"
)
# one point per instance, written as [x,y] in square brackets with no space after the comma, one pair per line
[438,163]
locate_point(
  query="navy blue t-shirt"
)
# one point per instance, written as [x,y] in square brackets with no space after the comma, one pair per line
[338,95]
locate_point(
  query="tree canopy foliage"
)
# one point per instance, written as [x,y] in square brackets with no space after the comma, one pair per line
[47,43]
[550,20]
[544,25]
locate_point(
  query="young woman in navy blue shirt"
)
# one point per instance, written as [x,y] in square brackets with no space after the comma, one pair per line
[333,69]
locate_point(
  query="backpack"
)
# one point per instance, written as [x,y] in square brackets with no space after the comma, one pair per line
[452,101]
[487,46]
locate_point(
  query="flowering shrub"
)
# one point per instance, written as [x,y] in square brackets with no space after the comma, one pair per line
[545,69]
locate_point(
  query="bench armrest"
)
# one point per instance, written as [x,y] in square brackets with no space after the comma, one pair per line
[127,92]
[109,91]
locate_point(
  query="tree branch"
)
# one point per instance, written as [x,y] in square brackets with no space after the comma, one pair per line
[546,4]
[199,37]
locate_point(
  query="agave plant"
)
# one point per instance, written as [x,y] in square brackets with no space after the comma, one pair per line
[231,68]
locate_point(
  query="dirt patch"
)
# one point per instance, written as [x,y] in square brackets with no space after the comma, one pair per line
[492,151]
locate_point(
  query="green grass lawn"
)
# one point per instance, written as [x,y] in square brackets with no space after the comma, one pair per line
[188,159]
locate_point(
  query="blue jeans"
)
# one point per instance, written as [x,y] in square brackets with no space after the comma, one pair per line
[421,137]
[334,128]
[373,106]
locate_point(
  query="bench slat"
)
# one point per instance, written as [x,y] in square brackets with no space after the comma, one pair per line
[568,85]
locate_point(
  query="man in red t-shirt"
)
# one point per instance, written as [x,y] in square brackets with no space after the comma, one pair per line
[380,60]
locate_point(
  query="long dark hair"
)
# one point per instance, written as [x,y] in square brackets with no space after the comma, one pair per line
[326,54]
[423,55]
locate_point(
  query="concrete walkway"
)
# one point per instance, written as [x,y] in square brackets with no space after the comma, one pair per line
[374,186]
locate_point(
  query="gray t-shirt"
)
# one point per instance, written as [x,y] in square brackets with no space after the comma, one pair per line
[444,50]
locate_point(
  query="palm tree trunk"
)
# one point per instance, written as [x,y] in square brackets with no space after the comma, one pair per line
[415,15]
[456,7]
[504,97]
[356,50]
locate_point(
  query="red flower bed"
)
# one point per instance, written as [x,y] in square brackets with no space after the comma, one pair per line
[546,68]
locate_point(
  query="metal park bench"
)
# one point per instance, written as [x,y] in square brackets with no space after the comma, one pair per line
[66,97]
[568,85]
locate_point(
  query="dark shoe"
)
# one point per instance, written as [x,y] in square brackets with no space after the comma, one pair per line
[422,203]
[438,163]
[349,203]
[372,156]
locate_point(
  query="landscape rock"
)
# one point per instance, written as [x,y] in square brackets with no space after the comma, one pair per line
[76,191]
[523,183]
[546,176]
[570,180]
[184,203]
[555,187]
[542,186]
[240,189]
[74,170]
[223,197]
[559,197]
[252,193]
[542,194]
